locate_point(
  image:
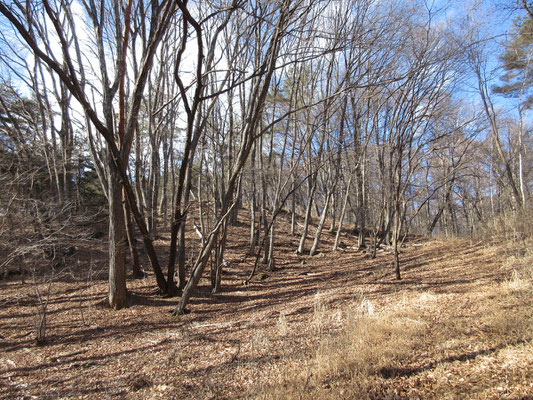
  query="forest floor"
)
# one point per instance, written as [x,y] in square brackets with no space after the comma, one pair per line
[333,326]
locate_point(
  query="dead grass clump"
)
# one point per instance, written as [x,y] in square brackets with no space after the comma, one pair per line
[319,313]
[282,324]
[371,344]
[512,320]
[518,282]
[504,326]
[425,345]
[354,364]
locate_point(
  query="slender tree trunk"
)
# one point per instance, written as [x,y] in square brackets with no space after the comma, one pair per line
[270,265]
[238,199]
[153,191]
[254,228]
[293,213]
[67,142]
[361,206]
[264,212]
[216,278]
[163,202]
[320,226]
[301,246]
[397,220]
[397,261]
[333,214]
[253,223]
[521,179]
[436,219]
[181,245]
[343,213]
[132,241]
[253,204]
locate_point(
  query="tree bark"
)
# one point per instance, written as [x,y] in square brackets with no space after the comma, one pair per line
[132,241]
[343,213]
[118,294]
[320,226]
[301,245]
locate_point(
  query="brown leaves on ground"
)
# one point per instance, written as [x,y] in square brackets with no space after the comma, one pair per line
[336,326]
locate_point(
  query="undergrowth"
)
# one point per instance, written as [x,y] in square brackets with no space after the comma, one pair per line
[428,345]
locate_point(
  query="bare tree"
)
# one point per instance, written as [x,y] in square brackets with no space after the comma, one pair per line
[67,66]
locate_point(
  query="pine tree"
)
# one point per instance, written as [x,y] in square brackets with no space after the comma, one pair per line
[517,62]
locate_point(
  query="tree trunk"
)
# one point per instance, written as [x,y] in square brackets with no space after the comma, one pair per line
[132,241]
[396,228]
[248,135]
[343,213]
[253,204]
[264,214]
[397,261]
[270,264]
[253,223]
[333,214]
[220,263]
[361,206]
[293,212]
[301,246]
[118,294]
[320,226]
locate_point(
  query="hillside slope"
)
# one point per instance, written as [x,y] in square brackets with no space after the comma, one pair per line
[337,325]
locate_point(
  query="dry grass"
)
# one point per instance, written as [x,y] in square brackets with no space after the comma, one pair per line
[511,230]
[471,345]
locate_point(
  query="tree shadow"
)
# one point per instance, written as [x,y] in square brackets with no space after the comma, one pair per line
[392,372]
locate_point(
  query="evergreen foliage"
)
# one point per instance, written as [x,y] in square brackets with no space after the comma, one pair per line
[517,63]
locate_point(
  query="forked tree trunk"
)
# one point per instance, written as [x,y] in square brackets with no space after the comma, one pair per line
[318,232]
[343,213]
[248,135]
[301,246]
[220,263]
